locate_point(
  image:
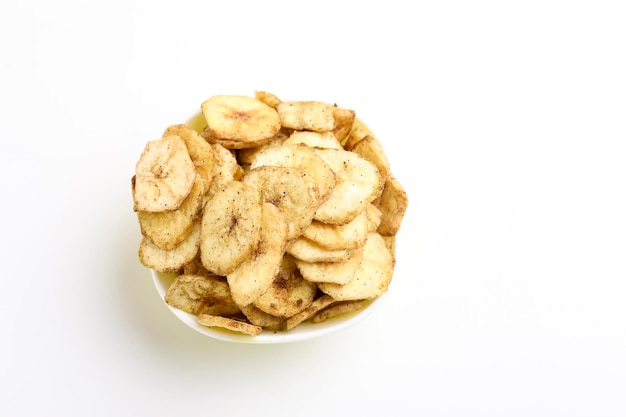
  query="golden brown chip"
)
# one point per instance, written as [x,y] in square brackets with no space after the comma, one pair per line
[316,306]
[340,272]
[344,121]
[200,151]
[359,131]
[169,261]
[199,294]
[324,140]
[252,278]
[261,318]
[307,115]
[345,236]
[167,229]
[370,149]
[357,183]
[303,157]
[238,121]
[164,175]
[374,217]
[307,250]
[336,309]
[225,169]
[246,156]
[235,325]
[292,190]
[267,98]
[288,294]
[231,222]
[372,277]
[393,203]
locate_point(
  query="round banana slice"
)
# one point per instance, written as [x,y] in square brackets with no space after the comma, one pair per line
[358,183]
[371,278]
[200,151]
[168,229]
[164,175]
[307,115]
[238,121]
[225,169]
[255,274]
[337,272]
[169,261]
[200,294]
[392,204]
[289,292]
[231,222]
[299,156]
[345,236]
[314,139]
[292,190]
[259,317]
[309,251]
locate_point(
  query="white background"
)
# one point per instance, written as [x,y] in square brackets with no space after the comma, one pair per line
[505,122]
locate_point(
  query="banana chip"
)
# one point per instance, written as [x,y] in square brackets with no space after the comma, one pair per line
[230,228]
[167,229]
[357,184]
[303,157]
[239,122]
[371,278]
[164,175]
[198,294]
[292,190]
[289,292]
[307,115]
[254,275]
[169,261]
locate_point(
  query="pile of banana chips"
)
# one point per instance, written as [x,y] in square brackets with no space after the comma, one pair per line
[276,213]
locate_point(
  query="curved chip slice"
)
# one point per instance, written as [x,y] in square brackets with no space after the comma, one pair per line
[374,217]
[210,320]
[314,139]
[164,175]
[200,151]
[344,121]
[268,98]
[370,149]
[292,190]
[255,274]
[358,183]
[200,294]
[306,115]
[316,306]
[167,229]
[299,156]
[225,169]
[345,236]
[307,250]
[230,227]
[335,309]
[169,261]
[289,292]
[393,203]
[372,277]
[238,121]
[261,318]
[340,272]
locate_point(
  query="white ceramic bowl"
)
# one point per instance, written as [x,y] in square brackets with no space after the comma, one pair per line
[302,332]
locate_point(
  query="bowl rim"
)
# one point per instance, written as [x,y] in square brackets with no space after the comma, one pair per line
[304,331]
